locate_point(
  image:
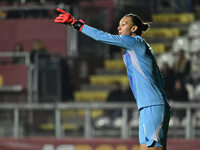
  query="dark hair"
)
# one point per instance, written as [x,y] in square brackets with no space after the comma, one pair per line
[142,26]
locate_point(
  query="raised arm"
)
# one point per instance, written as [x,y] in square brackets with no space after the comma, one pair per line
[104,37]
[96,34]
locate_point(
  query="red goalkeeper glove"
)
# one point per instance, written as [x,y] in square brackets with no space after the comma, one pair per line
[67,18]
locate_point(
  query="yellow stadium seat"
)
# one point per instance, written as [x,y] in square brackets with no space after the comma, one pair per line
[162,32]
[114,64]
[80,113]
[1,80]
[94,113]
[2,14]
[108,79]
[169,18]
[65,126]
[68,113]
[90,95]
[69,126]
[158,48]
[47,126]
[187,18]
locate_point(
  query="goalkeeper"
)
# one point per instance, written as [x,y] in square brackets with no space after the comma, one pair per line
[144,75]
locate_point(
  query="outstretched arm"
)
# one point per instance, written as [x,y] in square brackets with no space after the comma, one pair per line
[104,37]
[96,34]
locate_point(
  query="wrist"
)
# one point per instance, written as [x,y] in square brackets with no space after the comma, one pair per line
[78,24]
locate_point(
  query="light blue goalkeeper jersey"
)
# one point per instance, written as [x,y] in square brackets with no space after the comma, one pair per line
[144,75]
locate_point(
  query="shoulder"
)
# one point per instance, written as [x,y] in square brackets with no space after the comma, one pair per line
[132,40]
[139,38]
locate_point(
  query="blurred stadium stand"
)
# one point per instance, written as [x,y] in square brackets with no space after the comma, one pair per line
[89,79]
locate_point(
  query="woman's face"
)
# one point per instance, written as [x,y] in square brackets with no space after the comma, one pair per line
[126,26]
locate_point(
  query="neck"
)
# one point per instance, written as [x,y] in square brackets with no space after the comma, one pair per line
[133,34]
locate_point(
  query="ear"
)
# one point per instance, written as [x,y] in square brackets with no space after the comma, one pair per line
[134,28]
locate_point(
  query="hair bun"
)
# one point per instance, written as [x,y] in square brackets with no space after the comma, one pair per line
[145,26]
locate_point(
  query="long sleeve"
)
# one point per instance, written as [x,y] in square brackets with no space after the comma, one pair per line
[104,37]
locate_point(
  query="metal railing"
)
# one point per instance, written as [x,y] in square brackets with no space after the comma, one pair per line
[58,107]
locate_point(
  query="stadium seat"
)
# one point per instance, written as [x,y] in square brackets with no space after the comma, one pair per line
[166,57]
[1,80]
[70,126]
[194,29]
[103,121]
[195,44]
[65,126]
[197,118]
[114,64]
[183,122]
[68,113]
[179,43]
[47,126]
[95,113]
[186,17]
[134,122]
[175,18]
[197,92]
[174,122]
[108,79]
[194,121]
[190,89]
[2,14]
[117,122]
[162,32]
[158,48]
[81,96]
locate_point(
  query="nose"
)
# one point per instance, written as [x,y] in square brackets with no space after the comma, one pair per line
[118,28]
